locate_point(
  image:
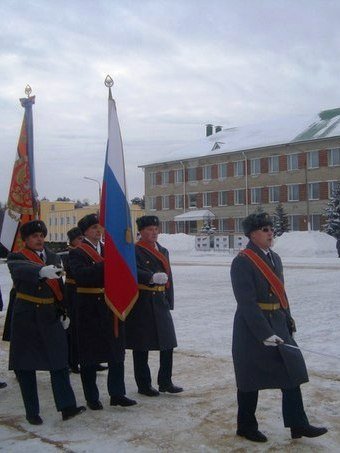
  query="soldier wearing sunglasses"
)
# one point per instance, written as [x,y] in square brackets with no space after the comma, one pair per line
[262,326]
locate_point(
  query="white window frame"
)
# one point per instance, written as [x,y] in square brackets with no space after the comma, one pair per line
[165,177]
[274,164]
[290,189]
[237,193]
[165,202]
[207,172]
[255,195]
[179,201]
[179,176]
[221,166]
[192,170]
[238,224]
[165,225]
[271,191]
[153,179]
[220,198]
[293,219]
[152,203]
[332,185]
[311,156]
[334,156]
[223,225]
[207,199]
[239,168]
[192,194]
[313,191]
[292,161]
[255,166]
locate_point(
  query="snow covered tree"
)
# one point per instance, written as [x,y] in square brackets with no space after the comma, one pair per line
[280,221]
[332,214]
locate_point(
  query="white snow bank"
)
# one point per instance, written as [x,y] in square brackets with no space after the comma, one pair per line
[289,245]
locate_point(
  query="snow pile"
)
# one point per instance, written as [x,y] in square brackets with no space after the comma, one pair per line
[303,244]
[177,242]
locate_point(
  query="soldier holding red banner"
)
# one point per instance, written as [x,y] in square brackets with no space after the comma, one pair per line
[38,340]
[149,326]
[101,337]
[263,326]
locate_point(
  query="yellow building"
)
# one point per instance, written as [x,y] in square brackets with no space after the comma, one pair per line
[61,216]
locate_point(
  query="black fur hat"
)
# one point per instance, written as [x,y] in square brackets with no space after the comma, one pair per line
[147,220]
[256,221]
[74,233]
[34,226]
[87,221]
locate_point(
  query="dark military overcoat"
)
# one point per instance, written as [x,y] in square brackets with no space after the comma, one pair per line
[258,366]
[95,324]
[149,326]
[38,340]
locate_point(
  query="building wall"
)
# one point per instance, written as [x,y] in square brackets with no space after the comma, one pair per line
[159,184]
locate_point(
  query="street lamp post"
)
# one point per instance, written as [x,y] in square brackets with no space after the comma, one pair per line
[99,186]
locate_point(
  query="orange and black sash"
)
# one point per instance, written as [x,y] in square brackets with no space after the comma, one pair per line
[157,254]
[91,252]
[52,283]
[274,281]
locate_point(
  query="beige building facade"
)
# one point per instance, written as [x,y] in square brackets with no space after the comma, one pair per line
[231,180]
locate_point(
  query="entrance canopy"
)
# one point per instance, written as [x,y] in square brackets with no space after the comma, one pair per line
[203,214]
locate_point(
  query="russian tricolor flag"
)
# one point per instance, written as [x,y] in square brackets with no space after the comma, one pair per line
[120,274]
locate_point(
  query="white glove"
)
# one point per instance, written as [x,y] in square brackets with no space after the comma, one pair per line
[50,271]
[159,278]
[65,321]
[274,340]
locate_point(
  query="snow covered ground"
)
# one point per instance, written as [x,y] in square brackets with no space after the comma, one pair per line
[202,419]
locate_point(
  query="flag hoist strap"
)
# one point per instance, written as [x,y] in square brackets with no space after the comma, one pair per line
[274,281]
[91,252]
[269,307]
[35,300]
[152,288]
[70,281]
[81,290]
[52,283]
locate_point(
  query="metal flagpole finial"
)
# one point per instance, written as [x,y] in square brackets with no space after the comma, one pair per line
[28,91]
[108,81]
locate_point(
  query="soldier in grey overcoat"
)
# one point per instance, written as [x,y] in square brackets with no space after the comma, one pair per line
[263,326]
[38,339]
[149,326]
[97,341]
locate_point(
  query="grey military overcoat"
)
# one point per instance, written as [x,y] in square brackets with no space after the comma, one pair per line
[258,366]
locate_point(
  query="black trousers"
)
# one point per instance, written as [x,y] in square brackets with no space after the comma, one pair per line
[292,409]
[142,370]
[61,387]
[115,380]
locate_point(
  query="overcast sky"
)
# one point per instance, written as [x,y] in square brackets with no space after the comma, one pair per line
[177,65]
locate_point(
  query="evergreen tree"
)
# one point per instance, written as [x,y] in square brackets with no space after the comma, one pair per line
[332,214]
[280,221]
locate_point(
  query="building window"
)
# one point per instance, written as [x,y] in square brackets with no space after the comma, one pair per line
[255,166]
[273,164]
[222,170]
[315,222]
[52,207]
[293,162]
[207,171]
[274,194]
[207,199]
[313,159]
[74,220]
[239,196]
[50,222]
[153,179]
[222,225]
[50,236]
[192,200]
[238,225]
[192,226]
[56,237]
[61,236]
[178,176]
[165,178]
[256,195]
[55,221]
[67,220]
[239,168]
[180,227]
[152,203]
[179,202]
[165,202]
[313,191]
[334,157]
[192,174]
[294,222]
[223,198]
[62,221]
[165,227]
[293,192]
[332,187]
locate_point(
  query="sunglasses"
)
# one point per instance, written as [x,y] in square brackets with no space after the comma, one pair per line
[267,229]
